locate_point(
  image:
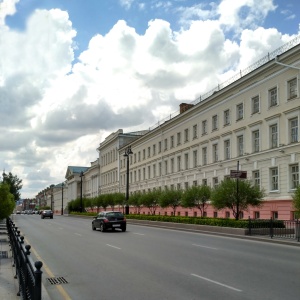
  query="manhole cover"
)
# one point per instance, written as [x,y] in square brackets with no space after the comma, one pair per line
[3,254]
[57,280]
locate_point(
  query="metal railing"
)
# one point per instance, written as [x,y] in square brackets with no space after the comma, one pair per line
[287,229]
[28,273]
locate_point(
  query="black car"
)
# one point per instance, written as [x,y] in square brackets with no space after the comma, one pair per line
[47,214]
[109,220]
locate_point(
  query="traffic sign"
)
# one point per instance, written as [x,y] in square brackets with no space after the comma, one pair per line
[238,174]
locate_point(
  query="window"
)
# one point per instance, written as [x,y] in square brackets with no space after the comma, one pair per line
[166,167]
[274,136]
[227,149]
[256,215]
[294,171]
[159,168]
[227,214]
[195,131]
[154,171]
[134,155]
[274,179]
[255,104]
[215,153]
[139,175]
[275,215]
[240,111]
[215,214]
[240,144]
[292,88]
[178,163]
[226,117]
[149,151]
[255,142]
[256,178]
[172,165]
[186,161]
[178,138]
[204,127]
[178,186]
[273,97]
[204,181]
[215,122]
[215,182]
[195,183]
[294,130]
[159,147]
[195,159]
[172,141]
[186,185]
[144,153]
[144,173]
[134,176]
[166,144]
[204,156]
[172,187]
[186,135]
[139,156]
[149,172]
[154,149]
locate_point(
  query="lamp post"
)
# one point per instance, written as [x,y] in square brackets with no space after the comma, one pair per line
[81,175]
[127,153]
[62,198]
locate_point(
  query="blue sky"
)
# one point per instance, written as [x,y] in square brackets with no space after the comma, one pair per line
[73,71]
[91,17]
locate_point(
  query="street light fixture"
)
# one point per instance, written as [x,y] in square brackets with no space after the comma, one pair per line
[81,207]
[127,153]
[62,198]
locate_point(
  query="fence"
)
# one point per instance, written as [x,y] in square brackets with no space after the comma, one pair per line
[275,228]
[29,274]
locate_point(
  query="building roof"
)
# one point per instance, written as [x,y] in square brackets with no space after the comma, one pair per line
[72,170]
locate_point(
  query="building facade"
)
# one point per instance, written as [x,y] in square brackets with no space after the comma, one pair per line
[249,123]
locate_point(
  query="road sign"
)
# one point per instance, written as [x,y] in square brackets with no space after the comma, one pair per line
[238,174]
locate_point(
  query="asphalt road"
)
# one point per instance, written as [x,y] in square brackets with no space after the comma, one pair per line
[153,263]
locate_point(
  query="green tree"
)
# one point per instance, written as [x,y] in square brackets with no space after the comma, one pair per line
[170,198]
[7,203]
[236,196]
[151,200]
[135,200]
[296,201]
[97,201]
[15,184]
[119,199]
[197,196]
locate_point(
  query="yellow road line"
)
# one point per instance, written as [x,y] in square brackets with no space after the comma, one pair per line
[50,274]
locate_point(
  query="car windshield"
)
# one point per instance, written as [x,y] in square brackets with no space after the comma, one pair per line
[114,214]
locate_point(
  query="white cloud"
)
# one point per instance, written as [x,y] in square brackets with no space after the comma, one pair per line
[7,8]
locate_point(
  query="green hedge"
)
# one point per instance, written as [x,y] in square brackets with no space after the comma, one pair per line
[221,222]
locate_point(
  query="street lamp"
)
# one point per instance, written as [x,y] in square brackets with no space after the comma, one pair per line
[81,175]
[62,198]
[127,153]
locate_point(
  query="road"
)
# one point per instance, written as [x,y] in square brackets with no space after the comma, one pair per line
[153,263]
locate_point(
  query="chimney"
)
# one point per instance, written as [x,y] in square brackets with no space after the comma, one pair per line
[184,107]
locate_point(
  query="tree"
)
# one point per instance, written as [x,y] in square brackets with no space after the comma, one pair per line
[151,200]
[97,201]
[296,201]
[197,196]
[236,196]
[170,198]
[135,200]
[15,184]
[119,199]
[7,202]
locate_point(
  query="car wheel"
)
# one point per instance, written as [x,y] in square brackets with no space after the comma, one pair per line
[102,228]
[124,228]
[93,227]
[51,217]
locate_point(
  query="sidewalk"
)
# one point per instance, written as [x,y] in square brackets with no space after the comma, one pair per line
[8,285]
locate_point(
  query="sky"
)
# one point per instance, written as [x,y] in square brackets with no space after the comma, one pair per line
[73,71]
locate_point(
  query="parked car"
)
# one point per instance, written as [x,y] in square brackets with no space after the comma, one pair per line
[109,220]
[47,214]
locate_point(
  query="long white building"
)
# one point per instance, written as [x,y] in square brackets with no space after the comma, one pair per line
[250,122]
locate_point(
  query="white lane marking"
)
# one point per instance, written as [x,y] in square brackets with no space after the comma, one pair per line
[205,247]
[218,283]
[138,233]
[78,234]
[113,246]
